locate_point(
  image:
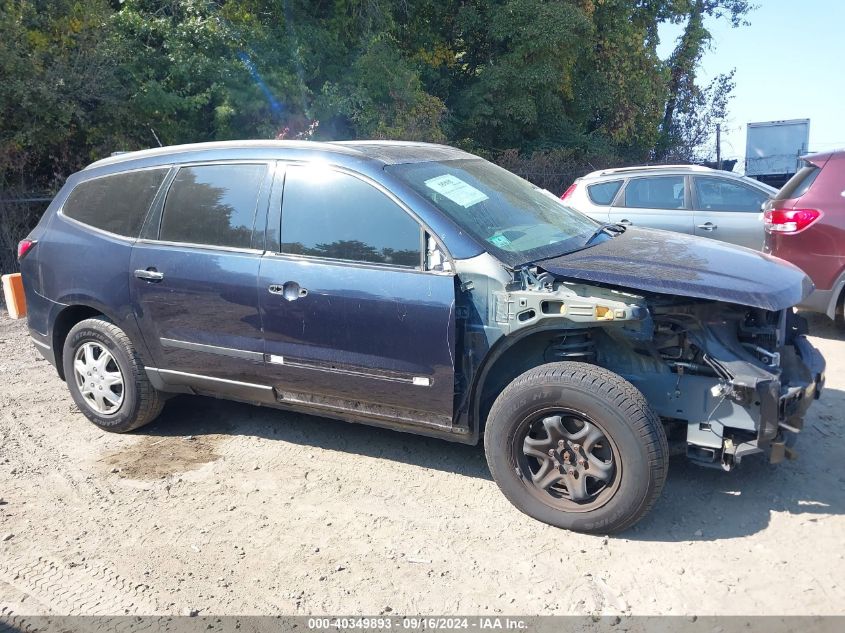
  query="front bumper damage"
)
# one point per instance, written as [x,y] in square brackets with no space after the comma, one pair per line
[727,380]
[783,403]
[738,386]
[774,399]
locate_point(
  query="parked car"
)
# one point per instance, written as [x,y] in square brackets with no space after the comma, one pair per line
[682,198]
[420,288]
[805,225]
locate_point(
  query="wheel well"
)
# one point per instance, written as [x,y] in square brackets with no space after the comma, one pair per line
[518,356]
[65,320]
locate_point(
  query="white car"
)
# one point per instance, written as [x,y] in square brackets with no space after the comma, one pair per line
[683,198]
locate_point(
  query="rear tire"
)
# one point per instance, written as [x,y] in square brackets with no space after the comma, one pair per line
[839,313]
[106,377]
[577,446]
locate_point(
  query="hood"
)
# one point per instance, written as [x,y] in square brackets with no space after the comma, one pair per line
[678,264]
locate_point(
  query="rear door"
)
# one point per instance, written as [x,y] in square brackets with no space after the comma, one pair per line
[658,202]
[728,210]
[194,273]
[353,323]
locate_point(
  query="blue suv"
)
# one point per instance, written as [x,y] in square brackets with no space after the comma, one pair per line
[421,288]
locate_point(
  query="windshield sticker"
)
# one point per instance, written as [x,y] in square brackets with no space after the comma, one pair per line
[456,190]
[499,240]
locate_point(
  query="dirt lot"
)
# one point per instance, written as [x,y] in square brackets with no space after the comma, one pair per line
[227,508]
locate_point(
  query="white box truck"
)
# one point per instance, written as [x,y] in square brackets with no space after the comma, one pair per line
[773,149]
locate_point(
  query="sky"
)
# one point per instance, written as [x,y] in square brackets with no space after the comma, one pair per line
[789,65]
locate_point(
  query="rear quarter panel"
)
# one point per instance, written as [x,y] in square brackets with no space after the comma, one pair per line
[820,249]
[80,265]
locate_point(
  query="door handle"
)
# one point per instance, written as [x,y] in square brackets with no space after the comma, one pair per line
[625,222]
[150,274]
[708,226]
[290,290]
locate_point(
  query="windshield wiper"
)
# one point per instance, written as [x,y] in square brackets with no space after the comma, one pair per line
[608,228]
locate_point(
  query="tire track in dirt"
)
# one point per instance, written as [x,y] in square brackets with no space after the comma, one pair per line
[75,589]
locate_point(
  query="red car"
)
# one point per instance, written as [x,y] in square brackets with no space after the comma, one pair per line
[805,225]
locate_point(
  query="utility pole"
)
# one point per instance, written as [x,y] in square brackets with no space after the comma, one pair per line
[718,146]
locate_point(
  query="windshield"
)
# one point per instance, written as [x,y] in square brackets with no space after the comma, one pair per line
[516,220]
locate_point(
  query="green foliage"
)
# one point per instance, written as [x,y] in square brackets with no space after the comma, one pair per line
[59,90]
[382,97]
[553,82]
[691,112]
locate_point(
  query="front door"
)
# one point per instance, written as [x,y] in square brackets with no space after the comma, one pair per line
[729,211]
[194,276]
[353,322]
[656,202]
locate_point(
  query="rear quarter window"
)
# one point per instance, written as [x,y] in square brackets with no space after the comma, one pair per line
[117,203]
[603,193]
[799,184]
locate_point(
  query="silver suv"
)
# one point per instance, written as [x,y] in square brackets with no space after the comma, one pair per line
[682,198]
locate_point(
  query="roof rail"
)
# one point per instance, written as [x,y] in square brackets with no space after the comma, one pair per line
[622,170]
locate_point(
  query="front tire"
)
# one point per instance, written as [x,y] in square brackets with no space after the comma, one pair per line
[576,446]
[106,377]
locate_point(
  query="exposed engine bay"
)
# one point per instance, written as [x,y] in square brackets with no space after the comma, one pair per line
[727,380]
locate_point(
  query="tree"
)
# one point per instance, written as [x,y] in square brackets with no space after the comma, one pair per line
[691,112]
[562,80]
[60,90]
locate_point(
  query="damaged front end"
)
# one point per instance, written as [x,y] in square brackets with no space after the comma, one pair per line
[744,378]
[727,380]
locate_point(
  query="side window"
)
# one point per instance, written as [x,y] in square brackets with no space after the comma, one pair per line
[326,213]
[800,183]
[212,204]
[604,192]
[720,194]
[659,192]
[117,204]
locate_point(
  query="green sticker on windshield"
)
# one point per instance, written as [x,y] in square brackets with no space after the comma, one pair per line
[499,240]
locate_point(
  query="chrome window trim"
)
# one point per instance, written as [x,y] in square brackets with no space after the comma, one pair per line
[214,247]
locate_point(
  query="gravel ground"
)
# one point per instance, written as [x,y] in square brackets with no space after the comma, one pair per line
[222,508]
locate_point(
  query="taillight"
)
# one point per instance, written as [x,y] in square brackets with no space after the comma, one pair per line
[569,191]
[24,246]
[789,221]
